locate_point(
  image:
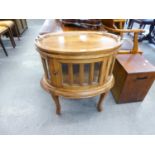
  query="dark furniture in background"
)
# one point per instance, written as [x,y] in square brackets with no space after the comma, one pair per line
[5,30]
[142,23]
[151,35]
[94,24]
[134,76]
[152,32]
[21,25]
[56,25]
[11,28]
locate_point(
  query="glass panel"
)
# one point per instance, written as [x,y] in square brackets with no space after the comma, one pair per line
[86,73]
[65,78]
[48,71]
[76,73]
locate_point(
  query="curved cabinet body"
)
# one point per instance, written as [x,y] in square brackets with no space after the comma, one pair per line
[78,64]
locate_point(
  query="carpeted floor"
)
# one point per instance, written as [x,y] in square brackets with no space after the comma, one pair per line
[25,108]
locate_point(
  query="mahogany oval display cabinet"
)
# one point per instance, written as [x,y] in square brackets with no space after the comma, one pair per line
[77,64]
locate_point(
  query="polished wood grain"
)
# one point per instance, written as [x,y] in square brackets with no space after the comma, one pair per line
[115,26]
[135,64]
[79,42]
[134,76]
[70,68]
[77,50]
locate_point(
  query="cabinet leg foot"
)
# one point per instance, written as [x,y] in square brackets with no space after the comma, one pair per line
[100,103]
[57,103]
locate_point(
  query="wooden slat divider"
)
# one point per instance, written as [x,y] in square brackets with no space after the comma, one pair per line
[108,68]
[112,65]
[56,72]
[101,74]
[103,70]
[70,73]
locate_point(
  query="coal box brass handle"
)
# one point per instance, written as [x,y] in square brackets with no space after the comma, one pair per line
[142,78]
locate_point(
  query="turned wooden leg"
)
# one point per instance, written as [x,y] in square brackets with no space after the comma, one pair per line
[56,101]
[100,103]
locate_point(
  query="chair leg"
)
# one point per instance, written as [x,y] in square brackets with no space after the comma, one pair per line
[57,103]
[17,33]
[11,38]
[1,43]
[100,103]
[130,25]
[141,26]
[144,26]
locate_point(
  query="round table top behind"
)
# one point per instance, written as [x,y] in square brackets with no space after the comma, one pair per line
[77,42]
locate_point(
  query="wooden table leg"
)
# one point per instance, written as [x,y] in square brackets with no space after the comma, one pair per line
[57,103]
[100,103]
